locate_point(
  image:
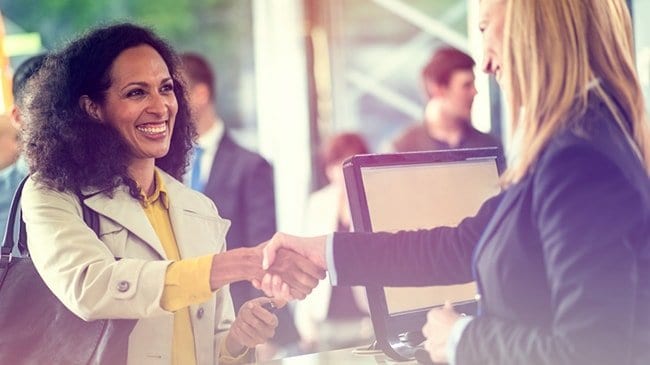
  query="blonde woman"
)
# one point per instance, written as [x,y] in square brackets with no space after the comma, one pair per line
[562,256]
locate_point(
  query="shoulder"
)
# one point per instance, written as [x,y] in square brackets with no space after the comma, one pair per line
[36,195]
[412,132]
[244,155]
[483,139]
[410,137]
[35,189]
[594,132]
[593,149]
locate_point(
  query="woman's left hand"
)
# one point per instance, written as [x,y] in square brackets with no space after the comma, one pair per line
[437,331]
[253,325]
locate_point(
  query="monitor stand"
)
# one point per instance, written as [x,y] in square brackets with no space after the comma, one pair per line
[403,344]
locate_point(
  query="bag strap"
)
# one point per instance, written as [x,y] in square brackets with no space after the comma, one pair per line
[90,217]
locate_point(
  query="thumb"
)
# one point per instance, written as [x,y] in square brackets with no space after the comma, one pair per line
[268,256]
[448,306]
[279,303]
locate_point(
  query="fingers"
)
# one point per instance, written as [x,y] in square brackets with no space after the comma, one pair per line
[309,268]
[269,256]
[270,248]
[278,303]
[298,272]
[254,324]
[276,284]
[265,285]
[448,306]
[261,314]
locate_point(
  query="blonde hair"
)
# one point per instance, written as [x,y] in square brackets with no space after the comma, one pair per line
[553,52]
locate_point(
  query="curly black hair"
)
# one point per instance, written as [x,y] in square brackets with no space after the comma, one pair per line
[65,147]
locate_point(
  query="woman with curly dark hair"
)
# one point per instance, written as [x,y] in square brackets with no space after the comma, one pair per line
[107,117]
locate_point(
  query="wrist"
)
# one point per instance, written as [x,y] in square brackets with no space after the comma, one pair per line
[233,346]
[236,265]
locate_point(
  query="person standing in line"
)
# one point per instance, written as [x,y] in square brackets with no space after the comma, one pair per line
[13,168]
[239,182]
[448,80]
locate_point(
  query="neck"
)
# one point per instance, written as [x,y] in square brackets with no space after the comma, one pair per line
[141,171]
[443,127]
[206,119]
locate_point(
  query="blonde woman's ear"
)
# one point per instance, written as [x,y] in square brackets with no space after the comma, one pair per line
[90,107]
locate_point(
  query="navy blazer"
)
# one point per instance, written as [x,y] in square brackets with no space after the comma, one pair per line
[241,185]
[561,259]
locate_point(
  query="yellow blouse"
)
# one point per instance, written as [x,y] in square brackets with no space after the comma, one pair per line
[187,281]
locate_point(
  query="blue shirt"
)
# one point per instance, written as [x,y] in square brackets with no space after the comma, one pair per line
[10,177]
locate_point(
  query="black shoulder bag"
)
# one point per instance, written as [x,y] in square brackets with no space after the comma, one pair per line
[35,327]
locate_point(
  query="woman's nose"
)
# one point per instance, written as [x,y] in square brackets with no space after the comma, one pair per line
[487,64]
[157,104]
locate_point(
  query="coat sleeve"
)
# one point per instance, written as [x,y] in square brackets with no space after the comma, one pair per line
[587,214]
[438,256]
[79,268]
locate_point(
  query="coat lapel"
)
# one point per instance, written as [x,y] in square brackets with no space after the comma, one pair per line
[127,212]
[182,218]
[511,196]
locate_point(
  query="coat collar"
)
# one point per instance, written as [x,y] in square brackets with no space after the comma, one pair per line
[127,212]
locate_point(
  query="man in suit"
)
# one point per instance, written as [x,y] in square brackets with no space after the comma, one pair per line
[239,181]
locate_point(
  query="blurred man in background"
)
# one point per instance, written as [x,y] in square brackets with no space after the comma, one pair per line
[448,79]
[12,168]
[239,181]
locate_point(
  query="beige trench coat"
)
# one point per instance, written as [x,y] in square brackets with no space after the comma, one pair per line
[82,271]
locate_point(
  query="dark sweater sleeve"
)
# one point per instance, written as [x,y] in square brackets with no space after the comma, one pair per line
[438,256]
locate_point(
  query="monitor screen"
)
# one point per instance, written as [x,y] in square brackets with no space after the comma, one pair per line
[426,195]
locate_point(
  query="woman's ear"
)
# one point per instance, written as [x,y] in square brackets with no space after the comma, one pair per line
[91,108]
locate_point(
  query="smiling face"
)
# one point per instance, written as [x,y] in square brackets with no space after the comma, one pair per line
[491,23]
[140,103]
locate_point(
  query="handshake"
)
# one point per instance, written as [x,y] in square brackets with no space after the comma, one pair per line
[285,267]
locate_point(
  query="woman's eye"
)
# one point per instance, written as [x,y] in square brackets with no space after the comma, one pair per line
[135,92]
[167,88]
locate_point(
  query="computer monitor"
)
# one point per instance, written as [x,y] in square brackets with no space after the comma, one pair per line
[415,190]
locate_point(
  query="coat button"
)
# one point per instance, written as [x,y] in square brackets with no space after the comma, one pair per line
[123,286]
[200,313]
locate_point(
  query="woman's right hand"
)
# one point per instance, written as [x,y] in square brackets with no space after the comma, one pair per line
[273,284]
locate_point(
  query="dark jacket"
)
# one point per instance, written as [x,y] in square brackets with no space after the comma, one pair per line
[561,259]
[241,185]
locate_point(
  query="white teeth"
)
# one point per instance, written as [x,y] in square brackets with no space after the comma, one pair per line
[153,130]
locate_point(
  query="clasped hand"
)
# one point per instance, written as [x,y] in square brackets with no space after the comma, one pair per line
[292,266]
